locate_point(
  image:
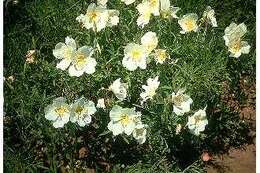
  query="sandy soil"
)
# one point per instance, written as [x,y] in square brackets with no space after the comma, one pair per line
[242,160]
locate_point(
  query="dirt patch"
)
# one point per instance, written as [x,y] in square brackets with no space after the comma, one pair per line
[242,160]
[236,161]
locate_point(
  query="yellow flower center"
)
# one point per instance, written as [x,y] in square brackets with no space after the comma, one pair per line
[161,55]
[177,100]
[81,59]
[190,24]
[79,109]
[125,119]
[93,16]
[61,110]
[153,3]
[197,119]
[136,54]
[236,46]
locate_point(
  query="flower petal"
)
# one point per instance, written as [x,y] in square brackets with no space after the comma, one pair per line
[74,72]
[64,64]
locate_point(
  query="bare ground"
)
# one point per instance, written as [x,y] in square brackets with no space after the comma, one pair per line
[242,160]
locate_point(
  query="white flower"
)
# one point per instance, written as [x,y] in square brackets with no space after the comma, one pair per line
[81,111]
[113,17]
[123,120]
[154,6]
[197,122]
[139,133]
[95,18]
[143,19]
[102,2]
[234,31]
[135,56]
[209,16]
[181,102]
[146,9]
[11,78]
[150,41]
[188,23]
[233,39]
[160,55]
[82,62]
[178,129]
[145,14]
[119,89]
[58,112]
[168,11]
[30,56]
[150,89]
[239,47]
[98,48]
[64,52]
[128,2]
[101,103]
[114,20]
